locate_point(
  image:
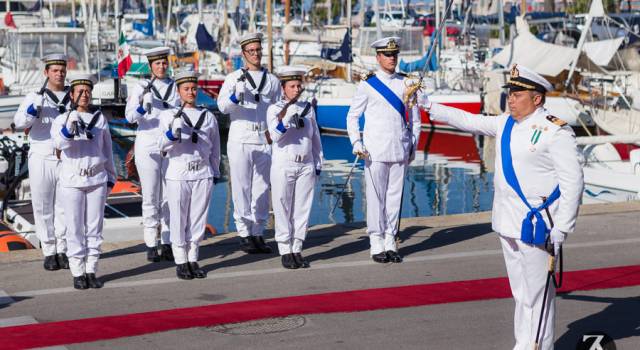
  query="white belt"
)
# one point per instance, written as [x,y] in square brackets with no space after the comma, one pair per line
[195,165]
[298,158]
[91,171]
[252,126]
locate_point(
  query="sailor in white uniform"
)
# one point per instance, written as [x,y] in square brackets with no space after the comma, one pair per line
[191,139]
[145,103]
[389,140]
[296,165]
[245,96]
[87,175]
[36,114]
[538,173]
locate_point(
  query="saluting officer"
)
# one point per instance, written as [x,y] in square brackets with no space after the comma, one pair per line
[145,104]
[389,140]
[36,113]
[191,139]
[537,169]
[297,162]
[245,96]
[86,177]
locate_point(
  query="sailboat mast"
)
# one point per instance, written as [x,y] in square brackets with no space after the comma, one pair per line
[270,34]
[349,35]
[287,14]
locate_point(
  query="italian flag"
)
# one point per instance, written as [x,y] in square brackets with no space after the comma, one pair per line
[124,58]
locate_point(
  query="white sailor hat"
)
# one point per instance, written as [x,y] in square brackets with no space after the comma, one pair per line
[388,44]
[250,38]
[523,78]
[287,73]
[186,76]
[157,53]
[82,79]
[56,58]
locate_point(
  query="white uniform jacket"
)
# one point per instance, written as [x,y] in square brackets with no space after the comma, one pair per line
[40,132]
[544,155]
[385,135]
[147,134]
[189,160]
[85,162]
[290,144]
[248,118]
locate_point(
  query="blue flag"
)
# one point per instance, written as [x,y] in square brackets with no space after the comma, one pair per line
[204,39]
[420,64]
[145,27]
[341,54]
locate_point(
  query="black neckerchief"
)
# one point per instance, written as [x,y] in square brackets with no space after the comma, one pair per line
[92,123]
[306,109]
[166,94]
[62,105]
[194,129]
[263,81]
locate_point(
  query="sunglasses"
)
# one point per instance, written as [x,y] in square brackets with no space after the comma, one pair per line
[390,54]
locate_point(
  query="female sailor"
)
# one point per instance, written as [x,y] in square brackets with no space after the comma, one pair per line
[191,141]
[86,177]
[296,164]
[145,103]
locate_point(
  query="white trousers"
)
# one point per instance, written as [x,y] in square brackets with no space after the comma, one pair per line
[527,267]
[151,168]
[48,212]
[249,167]
[84,214]
[188,206]
[384,182]
[292,188]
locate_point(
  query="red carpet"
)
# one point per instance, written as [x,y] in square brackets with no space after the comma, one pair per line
[100,328]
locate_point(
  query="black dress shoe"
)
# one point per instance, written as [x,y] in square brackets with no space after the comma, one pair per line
[261,246]
[300,260]
[248,246]
[80,282]
[393,257]
[380,258]
[63,262]
[289,262]
[183,272]
[152,255]
[166,252]
[93,281]
[51,263]
[196,271]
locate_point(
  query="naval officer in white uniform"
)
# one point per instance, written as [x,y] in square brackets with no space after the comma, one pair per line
[145,103]
[36,114]
[191,140]
[537,167]
[389,140]
[296,165]
[245,96]
[87,175]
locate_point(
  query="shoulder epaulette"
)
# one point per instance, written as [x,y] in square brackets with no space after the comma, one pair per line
[555,120]
[402,74]
[368,75]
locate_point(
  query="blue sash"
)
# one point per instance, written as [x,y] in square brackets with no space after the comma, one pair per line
[388,95]
[527,233]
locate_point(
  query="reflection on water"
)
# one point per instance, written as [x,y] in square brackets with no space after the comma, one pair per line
[447,179]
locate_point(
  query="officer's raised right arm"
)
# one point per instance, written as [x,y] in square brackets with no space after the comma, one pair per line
[464,121]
